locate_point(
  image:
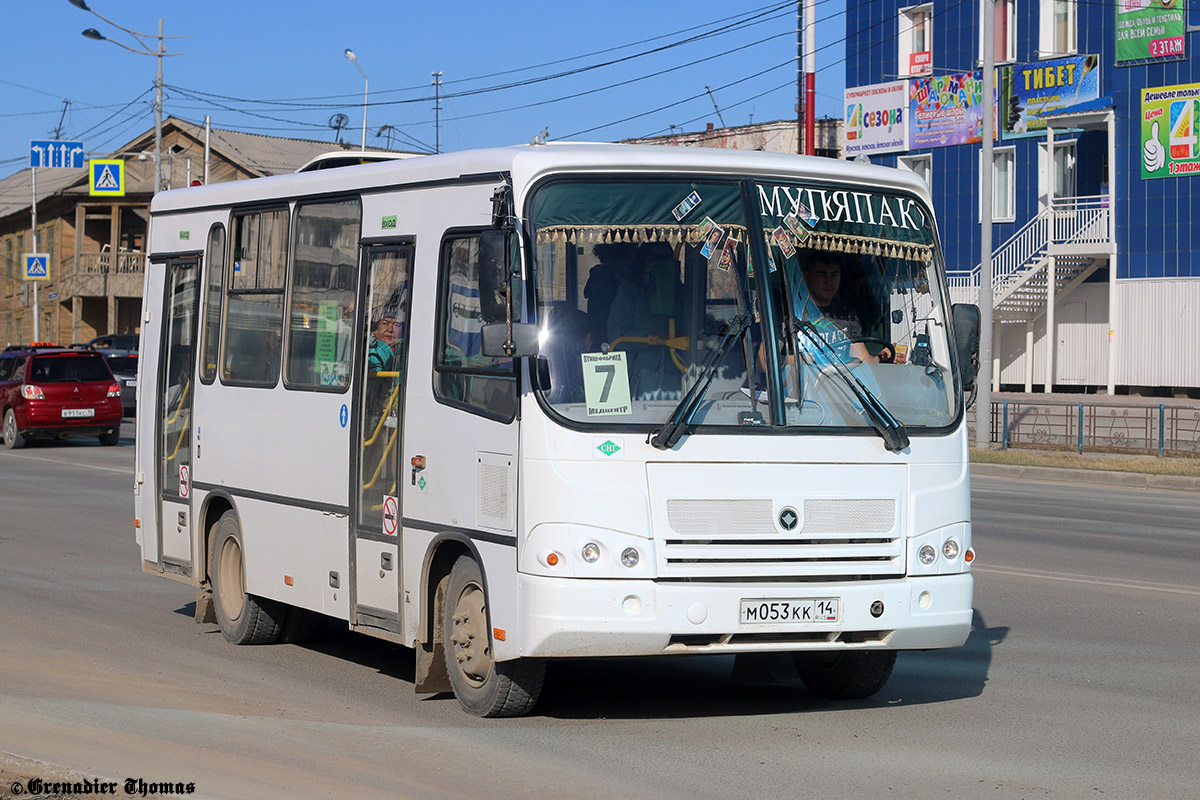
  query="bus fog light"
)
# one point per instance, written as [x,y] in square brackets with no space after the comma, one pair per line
[925,600]
[632,604]
[927,554]
[630,557]
[950,549]
[590,552]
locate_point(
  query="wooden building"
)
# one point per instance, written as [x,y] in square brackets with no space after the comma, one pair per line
[97,244]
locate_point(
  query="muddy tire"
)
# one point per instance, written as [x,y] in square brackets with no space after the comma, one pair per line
[243,618]
[12,437]
[484,687]
[845,674]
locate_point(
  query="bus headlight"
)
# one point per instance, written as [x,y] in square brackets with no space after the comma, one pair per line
[950,549]
[630,557]
[927,554]
[587,551]
[590,552]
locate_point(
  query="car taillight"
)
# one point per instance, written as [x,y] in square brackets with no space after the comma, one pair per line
[114,390]
[30,392]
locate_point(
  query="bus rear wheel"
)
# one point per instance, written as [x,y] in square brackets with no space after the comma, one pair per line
[484,687]
[845,674]
[243,618]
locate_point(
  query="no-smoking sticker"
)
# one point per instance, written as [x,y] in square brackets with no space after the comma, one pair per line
[185,480]
[390,515]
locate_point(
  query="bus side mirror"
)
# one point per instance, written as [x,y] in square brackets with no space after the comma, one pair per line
[495,336]
[965,319]
[494,285]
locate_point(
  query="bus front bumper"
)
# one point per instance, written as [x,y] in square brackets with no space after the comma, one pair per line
[565,617]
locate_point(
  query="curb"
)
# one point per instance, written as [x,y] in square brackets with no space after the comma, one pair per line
[1095,477]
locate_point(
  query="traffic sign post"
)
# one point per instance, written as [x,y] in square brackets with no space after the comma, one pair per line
[37,266]
[106,177]
[56,154]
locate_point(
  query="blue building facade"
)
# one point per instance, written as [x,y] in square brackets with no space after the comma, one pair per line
[1089,326]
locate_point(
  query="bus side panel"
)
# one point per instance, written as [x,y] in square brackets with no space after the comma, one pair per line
[291,554]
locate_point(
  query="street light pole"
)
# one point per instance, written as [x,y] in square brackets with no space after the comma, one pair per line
[159,52]
[366,85]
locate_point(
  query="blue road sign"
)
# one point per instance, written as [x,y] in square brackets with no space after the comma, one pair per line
[56,154]
[37,266]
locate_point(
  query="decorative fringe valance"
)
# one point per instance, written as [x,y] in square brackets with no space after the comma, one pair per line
[629,234]
[866,245]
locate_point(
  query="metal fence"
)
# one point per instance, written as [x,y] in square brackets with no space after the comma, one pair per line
[1164,430]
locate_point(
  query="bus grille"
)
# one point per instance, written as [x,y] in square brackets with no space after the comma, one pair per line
[836,538]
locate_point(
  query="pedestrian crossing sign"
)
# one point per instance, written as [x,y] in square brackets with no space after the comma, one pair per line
[37,266]
[106,177]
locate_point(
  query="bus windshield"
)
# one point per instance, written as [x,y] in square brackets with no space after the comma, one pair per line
[650,310]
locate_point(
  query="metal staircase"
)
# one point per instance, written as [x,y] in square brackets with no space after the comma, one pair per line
[1069,239]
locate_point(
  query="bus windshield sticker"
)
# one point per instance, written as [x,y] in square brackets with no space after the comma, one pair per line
[711,233]
[784,240]
[728,253]
[798,230]
[606,384]
[691,201]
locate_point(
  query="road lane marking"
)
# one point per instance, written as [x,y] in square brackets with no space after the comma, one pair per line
[1068,578]
[128,472]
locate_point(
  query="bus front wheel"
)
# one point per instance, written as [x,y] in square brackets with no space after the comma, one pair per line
[845,674]
[243,618]
[484,687]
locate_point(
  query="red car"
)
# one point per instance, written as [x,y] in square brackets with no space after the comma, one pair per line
[59,393]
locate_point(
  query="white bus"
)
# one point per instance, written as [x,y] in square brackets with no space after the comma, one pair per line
[560,401]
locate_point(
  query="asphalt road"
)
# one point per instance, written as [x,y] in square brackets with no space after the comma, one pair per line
[1079,679]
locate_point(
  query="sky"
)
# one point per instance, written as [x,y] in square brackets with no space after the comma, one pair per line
[583,71]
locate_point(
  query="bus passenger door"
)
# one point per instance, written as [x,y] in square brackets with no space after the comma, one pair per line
[379,395]
[174,414]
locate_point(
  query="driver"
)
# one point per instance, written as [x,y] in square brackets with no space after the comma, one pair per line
[823,276]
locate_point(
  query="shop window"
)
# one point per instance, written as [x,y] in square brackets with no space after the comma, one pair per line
[1058,28]
[916,40]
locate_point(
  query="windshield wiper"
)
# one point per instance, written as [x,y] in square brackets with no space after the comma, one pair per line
[680,420]
[895,438]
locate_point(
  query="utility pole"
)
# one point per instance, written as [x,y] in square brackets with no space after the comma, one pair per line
[61,117]
[983,402]
[800,76]
[810,77]
[437,111]
[37,313]
[714,102]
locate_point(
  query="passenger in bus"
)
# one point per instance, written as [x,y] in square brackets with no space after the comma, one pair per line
[605,278]
[381,348]
[638,322]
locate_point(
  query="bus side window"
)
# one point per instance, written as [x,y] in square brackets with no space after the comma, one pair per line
[254,298]
[321,303]
[465,377]
[214,269]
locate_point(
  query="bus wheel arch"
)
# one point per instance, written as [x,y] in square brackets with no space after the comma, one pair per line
[430,671]
[242,617]
[483,686]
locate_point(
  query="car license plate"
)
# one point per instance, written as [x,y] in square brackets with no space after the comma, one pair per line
[132,383]
[69,413]
[801,609]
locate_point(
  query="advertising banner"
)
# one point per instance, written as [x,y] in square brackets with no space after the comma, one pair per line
[1027,91]
[1171,131]
[1150,30]
[946,110]
[877,118]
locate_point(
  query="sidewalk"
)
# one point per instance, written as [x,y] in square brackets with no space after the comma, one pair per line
[1091,477]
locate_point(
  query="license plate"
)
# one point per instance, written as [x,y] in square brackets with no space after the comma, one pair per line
[131,383]
[69,413]
[800,609]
